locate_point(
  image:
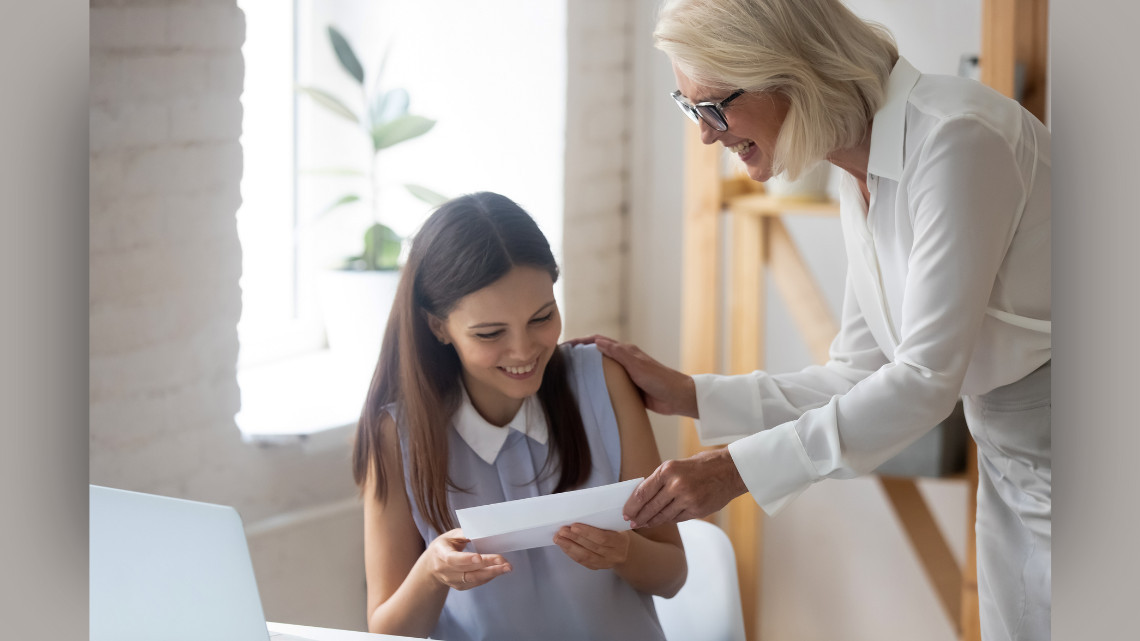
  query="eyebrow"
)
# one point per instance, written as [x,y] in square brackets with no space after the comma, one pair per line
[499,324]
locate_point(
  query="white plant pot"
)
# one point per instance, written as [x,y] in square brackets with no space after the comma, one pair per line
[810,186]
[355,306]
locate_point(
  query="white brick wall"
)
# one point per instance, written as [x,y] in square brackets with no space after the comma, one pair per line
[598,123]
[165,170]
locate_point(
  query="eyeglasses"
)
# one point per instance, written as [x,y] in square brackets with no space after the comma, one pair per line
[711,113]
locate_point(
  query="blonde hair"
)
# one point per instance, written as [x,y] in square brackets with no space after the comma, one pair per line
[831,65]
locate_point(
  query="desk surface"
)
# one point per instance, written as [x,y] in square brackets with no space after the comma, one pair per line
[325,634]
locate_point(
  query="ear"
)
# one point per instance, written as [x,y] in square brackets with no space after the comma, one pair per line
[439,328]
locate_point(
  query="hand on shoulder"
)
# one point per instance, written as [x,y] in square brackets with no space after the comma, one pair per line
[663,390]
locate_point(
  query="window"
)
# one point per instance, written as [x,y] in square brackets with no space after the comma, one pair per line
[274,322]
[492,74]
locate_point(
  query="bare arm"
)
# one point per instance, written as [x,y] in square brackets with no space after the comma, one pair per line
[407,582]
[652,560]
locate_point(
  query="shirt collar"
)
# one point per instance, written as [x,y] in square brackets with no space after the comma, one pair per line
[889,128]
[485,439]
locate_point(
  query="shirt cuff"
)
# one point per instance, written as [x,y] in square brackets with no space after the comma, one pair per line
[729,407]
[774,466]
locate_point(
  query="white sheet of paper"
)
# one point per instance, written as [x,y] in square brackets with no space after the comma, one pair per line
[533,522]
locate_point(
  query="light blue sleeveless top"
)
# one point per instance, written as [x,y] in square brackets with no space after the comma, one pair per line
[546,595]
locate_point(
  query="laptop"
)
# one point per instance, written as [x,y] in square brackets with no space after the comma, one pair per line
[166,569]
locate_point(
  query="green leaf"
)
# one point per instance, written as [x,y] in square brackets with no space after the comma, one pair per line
[345,55]
[430,197]
[340,202]
[330,102]
[381,248]
[399,130]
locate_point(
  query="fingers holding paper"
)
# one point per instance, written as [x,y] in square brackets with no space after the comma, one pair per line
[593,548]
[460,570]
[683,489]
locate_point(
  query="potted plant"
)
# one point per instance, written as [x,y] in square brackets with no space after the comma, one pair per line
[356,295]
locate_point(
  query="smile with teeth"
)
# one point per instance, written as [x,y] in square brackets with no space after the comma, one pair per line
[521,371]
[741,147]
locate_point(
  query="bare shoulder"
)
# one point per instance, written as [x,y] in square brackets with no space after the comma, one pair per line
[618,382]
[386,439]
[638,448]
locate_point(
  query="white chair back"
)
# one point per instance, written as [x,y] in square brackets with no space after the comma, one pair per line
[708,606]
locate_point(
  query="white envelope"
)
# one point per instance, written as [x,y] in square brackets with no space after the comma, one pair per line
[533,522]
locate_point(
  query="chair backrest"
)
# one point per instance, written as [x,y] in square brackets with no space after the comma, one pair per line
[708,606]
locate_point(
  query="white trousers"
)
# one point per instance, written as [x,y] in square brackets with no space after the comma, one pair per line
[1012,428]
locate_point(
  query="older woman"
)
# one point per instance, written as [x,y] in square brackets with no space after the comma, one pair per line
[945,208]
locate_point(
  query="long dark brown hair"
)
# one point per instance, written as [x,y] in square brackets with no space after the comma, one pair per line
[467,244]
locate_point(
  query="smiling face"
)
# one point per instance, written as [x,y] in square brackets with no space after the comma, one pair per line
[504,335]
[754,122]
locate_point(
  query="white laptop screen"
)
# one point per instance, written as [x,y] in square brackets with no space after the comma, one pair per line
[165,568]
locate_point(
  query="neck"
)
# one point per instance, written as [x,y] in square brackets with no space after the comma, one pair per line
[854,160]
[495,408]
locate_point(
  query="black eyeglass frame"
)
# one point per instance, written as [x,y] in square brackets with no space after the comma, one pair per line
[711,113]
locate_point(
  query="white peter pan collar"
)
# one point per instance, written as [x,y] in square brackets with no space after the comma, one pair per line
[889,129]
[485,439]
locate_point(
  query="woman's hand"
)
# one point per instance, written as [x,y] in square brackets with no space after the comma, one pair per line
[454,568]
[665,390]
[593,548]
[684,489]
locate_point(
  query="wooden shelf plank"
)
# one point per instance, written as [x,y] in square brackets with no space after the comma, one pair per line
[745,530]
[767,205]
[801,292]
[928,543]
[702,207]
[700,251]
[747,284]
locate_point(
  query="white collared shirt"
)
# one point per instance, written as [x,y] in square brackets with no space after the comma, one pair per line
[948,293]
[485,439]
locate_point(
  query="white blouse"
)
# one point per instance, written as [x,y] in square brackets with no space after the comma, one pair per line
[947,295]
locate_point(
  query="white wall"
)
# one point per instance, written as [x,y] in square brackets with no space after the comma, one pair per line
[838,548]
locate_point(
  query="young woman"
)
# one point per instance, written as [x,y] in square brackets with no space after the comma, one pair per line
[474,402]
